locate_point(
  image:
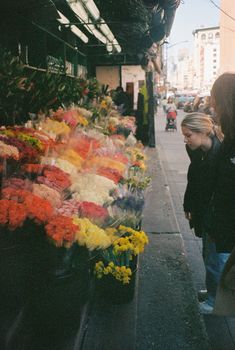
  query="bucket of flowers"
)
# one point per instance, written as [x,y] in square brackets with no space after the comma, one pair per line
[42,265]
[116,267]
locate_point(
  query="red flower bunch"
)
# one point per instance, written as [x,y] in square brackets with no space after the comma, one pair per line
[36,208]
[33,168]
[51,175]
[15,194]
[93,211]
[12,213]
[61,230]
[110,173]
[55,178]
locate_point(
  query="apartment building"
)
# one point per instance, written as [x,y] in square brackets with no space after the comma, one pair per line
[227,36]
[206,56]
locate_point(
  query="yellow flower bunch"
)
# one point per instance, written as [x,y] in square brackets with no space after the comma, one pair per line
[107,163]
[103,104]
[112,233]
[90,235]
[137,157]
[81,119]
[56,128]
[132,241]
[72,157]
[121,273]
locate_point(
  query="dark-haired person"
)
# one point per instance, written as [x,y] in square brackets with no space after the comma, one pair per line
[122,101]
[223,102]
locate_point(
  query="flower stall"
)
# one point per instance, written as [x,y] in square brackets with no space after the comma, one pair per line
[71,200]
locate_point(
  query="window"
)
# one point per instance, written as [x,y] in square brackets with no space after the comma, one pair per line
[215,50]
[214,61]
[217,35]
[214,55]
[203,37]
[210,36]
[214,67]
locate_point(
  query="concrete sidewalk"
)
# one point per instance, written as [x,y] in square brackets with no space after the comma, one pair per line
[164,313]
[167,311]
[174,160]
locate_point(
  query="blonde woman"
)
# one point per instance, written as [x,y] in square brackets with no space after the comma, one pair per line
[203,146]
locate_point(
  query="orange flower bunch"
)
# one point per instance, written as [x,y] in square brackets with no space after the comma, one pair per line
[33,207]
[12,214]
[61,230]
[33,168]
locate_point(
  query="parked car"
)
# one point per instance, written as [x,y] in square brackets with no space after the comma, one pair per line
[183,100]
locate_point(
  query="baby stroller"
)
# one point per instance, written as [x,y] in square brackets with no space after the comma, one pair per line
[171,121]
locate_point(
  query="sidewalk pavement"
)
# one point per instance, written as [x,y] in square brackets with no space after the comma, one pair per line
[164,313]
[220,330]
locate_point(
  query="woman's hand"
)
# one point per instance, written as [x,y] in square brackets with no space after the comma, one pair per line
[188,215]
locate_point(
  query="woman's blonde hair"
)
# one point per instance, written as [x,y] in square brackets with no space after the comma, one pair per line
[199,122]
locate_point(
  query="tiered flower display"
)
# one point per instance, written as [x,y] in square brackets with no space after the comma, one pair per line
[81,179]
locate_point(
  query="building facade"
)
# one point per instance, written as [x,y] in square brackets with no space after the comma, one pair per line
[227,36]
[206,57]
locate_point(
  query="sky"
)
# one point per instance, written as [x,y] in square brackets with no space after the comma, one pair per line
[191,15]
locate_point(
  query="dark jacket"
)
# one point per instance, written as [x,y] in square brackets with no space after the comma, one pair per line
[224,199]
[201,184]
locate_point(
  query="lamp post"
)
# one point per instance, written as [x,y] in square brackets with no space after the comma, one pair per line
[166,61]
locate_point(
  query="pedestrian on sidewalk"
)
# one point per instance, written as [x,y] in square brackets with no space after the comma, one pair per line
[202,146]
[223,102]
[164,102]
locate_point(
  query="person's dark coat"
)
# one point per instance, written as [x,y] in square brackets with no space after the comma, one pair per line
[224,199]
[122,99]
[201,184]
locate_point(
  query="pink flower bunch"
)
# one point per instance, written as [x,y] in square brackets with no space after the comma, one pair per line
[69,118]
[27,153]
[15,182]
[8,151]
[69,208]
[84,145]
[47,193]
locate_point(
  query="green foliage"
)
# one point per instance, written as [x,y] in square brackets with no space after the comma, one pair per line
[24,91]
[12,87]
